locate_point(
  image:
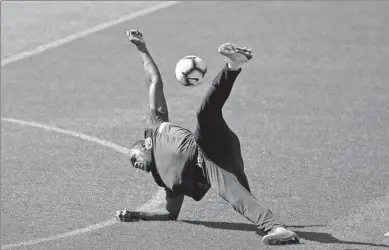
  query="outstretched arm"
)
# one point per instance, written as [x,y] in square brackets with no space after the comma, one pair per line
[153,76]
[168,209]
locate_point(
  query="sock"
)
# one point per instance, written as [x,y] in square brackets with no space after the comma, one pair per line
[234,66]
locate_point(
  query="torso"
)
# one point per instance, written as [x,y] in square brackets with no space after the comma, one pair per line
[174,150]
[175,158]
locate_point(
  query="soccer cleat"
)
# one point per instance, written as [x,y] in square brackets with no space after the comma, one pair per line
[237,56]
[280,236]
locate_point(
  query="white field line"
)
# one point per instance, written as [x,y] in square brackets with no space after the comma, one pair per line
[152,202]
[101,142]
[84,33]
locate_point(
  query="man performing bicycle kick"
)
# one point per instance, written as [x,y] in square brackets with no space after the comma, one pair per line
[188,164]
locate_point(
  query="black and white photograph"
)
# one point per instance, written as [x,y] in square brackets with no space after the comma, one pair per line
[187,125]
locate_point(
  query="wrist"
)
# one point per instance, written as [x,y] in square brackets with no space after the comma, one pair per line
[142,49]
[135,215]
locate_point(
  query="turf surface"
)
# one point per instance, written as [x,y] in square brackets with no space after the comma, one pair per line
[311,111]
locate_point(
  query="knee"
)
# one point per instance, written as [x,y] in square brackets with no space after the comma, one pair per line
[224,196]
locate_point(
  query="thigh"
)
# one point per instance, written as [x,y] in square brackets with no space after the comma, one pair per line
[216,140]
[219,143]
[211,133]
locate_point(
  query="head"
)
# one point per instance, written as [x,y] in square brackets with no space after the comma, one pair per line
[138,156]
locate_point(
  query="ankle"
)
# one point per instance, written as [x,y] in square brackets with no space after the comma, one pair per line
[275,227]
[234,66]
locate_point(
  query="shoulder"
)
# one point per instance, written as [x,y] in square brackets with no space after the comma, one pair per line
[156,117]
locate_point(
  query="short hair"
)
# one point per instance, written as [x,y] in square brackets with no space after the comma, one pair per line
[137,145]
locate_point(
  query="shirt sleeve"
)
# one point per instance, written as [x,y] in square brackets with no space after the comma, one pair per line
[156,118]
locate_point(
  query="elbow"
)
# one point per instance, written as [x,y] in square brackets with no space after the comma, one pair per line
[154,81]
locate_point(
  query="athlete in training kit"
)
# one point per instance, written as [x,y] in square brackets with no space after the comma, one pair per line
[188,164]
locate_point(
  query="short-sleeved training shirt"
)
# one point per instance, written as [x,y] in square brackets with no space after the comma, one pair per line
[174,153]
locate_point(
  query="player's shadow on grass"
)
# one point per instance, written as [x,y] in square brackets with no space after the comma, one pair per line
[328,238]
[236,226]
[311,236]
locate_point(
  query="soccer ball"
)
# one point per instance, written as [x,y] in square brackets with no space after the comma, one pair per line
[190,70]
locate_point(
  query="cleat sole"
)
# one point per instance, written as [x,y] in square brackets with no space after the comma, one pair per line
[272,240]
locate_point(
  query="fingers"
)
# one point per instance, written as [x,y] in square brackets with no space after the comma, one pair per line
[123,215]
[134,33]
[119,215]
